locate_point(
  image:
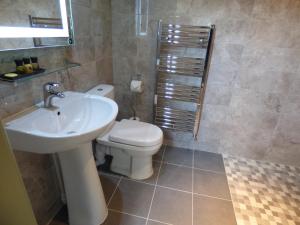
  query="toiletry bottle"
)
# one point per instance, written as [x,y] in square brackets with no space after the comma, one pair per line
[19,66]
[27,66]
[35,63]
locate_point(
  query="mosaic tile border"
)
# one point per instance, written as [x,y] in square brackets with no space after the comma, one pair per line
[263,193]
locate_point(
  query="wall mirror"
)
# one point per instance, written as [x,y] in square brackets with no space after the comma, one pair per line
[35,24]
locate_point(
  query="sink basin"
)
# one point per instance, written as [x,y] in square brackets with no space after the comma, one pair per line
[68,130]
[77,119]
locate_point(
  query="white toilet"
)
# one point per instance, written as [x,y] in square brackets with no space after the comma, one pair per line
[131,143]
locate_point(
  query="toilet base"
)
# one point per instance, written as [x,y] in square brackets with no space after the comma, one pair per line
[136,167]
[140,168]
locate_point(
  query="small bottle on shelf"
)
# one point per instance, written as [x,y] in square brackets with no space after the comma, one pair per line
[27,66]
[35,63]
[19,66]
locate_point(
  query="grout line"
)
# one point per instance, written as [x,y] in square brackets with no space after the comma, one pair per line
[161,222]
[191,167]
[230,192]
[115,190]
[129,214]
[141,217]
[155,185]
[208,196]
[175,189]
[193,164]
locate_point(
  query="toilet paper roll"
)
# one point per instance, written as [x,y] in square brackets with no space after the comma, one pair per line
[137,86]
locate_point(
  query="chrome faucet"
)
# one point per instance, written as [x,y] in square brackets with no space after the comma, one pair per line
[51,90]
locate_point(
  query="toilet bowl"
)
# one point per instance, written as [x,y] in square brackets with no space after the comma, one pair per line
[131,143]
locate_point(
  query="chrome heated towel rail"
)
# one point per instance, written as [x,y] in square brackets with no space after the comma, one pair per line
[183,59]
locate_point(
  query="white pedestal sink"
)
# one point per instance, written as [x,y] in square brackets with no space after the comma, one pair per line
[68,130]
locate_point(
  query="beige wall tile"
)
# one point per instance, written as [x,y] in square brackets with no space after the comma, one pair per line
[254,71]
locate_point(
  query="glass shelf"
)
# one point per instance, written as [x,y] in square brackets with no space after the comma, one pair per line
[65,67]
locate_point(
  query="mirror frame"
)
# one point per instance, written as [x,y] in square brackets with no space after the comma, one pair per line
[28,32]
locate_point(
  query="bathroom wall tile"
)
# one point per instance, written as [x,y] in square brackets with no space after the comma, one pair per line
[82,22]
[227,55]
[123,24]
[274,59]
[103,6]
[104,70]
[222,76]
[102,47]
[81,83]
[215,113]
[218,95]
[240,8]
[283,10]
[86,3]
[172,207]
[257,101]
[294,89]
[291,104]
[179,139]
[231,30]
[124,7]
[83,51]
[127,46]
[201,7]
[40,184]
[267,81]
[245,142]
[159,8]
[285,143]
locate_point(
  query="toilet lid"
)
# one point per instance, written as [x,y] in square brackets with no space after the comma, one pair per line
[132,132]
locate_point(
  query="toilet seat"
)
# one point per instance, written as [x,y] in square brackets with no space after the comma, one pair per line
[136,133]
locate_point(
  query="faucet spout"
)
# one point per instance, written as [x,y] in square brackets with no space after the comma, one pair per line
[51,90]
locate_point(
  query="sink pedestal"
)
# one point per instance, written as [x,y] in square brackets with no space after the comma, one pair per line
[85,198]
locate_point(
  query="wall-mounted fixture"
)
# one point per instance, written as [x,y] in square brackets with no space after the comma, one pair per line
[23,32]
[19,32]
[183,60]
[141,17]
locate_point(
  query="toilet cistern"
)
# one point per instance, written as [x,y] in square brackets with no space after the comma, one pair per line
[50,91]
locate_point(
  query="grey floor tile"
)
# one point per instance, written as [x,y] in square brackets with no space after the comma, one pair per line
[178,177]
[210,211]
[153,178]
[57,223]
[210,183]
[150,222]
[209,161]
[115,218]
[172,207]
[178,156]
[132,197]
[159,154]
[109,184]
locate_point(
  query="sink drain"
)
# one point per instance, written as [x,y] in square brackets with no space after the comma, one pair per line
[71,132]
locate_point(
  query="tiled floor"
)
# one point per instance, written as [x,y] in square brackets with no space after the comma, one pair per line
[187,188]
[264,193]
